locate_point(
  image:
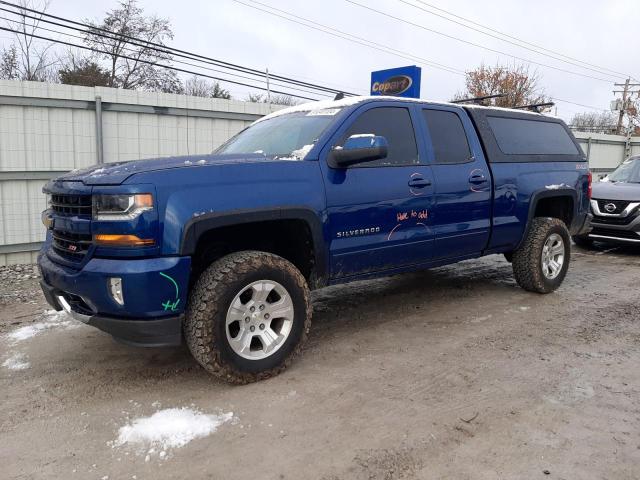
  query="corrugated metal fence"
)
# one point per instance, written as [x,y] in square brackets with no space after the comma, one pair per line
[606,152]
[48,129]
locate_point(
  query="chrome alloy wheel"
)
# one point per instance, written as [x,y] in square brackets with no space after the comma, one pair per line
[259,319]
[552,256]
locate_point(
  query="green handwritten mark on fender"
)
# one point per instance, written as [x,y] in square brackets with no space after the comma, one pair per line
[171,305]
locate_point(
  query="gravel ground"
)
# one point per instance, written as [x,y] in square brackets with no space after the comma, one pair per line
[17,285]
[450,373]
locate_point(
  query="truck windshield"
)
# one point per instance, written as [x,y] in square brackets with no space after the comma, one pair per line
[288,136]
[627,172]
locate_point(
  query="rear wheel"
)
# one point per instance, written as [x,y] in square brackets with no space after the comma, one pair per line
[248,316]
[542,261]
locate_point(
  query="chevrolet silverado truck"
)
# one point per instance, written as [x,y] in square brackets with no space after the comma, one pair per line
[222,250]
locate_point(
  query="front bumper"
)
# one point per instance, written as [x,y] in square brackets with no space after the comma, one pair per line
[154,293]
[623,229]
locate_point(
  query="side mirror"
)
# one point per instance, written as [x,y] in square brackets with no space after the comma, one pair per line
[358,149]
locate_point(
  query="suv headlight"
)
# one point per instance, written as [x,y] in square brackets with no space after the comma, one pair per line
[121,206]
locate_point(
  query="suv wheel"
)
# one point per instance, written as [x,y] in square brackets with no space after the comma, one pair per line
[248,316]
[541,263]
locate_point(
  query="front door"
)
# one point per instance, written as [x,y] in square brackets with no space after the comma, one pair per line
[379,211]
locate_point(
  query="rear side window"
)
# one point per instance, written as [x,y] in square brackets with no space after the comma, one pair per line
[530,137]
[395,125]
[449,140]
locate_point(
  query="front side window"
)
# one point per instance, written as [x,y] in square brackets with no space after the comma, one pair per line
[393,123]
[627,172]
[288,136]
[449,140]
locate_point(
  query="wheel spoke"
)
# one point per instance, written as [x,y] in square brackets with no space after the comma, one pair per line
[237,311]
[242,342]
[270,339]
[281,309]
[557,249]
[261,291]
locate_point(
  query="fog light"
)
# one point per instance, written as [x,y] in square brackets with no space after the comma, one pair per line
[115,286]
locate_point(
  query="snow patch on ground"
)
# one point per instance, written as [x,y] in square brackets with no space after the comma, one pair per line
[51,319]
[17,361]
[169,428]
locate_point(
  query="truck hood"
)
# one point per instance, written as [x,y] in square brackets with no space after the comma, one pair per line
[616,191]
[117,173]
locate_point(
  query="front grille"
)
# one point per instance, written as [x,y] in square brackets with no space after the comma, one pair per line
[71,246]
[71,204]
[619,204]
[613,220]
[609,232]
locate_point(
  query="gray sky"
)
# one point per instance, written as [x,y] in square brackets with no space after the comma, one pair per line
[603,33]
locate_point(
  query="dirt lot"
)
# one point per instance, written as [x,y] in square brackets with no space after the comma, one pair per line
[451,373]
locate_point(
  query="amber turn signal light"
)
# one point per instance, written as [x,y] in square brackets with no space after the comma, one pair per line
[122,240]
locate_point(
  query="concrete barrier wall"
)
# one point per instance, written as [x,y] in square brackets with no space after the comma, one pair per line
[48,129]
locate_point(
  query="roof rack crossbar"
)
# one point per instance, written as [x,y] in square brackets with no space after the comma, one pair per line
[479,99]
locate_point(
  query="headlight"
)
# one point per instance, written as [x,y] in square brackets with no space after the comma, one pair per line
[121,207]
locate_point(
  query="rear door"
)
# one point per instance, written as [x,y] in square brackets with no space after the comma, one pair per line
[463,184]
[378,211]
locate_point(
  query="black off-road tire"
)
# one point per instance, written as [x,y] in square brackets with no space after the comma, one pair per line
[215,289]
[527,260]
[582,241]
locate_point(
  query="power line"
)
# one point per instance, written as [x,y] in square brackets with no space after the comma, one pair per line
[408,22]
[566,58]
[169,67]
[350,37]
[173,60]
[93,30]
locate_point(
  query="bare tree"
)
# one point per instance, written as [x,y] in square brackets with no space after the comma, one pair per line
[134,64]
[276,99]
[254,98]
[30,59]
[517,83]
[288,100]
[200,87]
[596,122]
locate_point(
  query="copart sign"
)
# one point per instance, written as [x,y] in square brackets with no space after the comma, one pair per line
[397,82]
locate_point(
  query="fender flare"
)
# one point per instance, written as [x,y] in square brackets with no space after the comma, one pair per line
[197,226]
[546,193]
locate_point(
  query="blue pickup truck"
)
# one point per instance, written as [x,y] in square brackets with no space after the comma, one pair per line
[222,250]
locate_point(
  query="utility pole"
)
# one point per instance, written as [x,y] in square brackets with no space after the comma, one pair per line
[626,102]
[268,90]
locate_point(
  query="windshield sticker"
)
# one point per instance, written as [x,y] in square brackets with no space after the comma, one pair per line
[324,112]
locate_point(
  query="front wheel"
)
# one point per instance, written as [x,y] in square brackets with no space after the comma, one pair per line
[542,261]
[248,316]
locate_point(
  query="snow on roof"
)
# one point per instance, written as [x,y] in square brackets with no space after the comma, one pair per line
[348,101]
[502,109]
[345,102]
